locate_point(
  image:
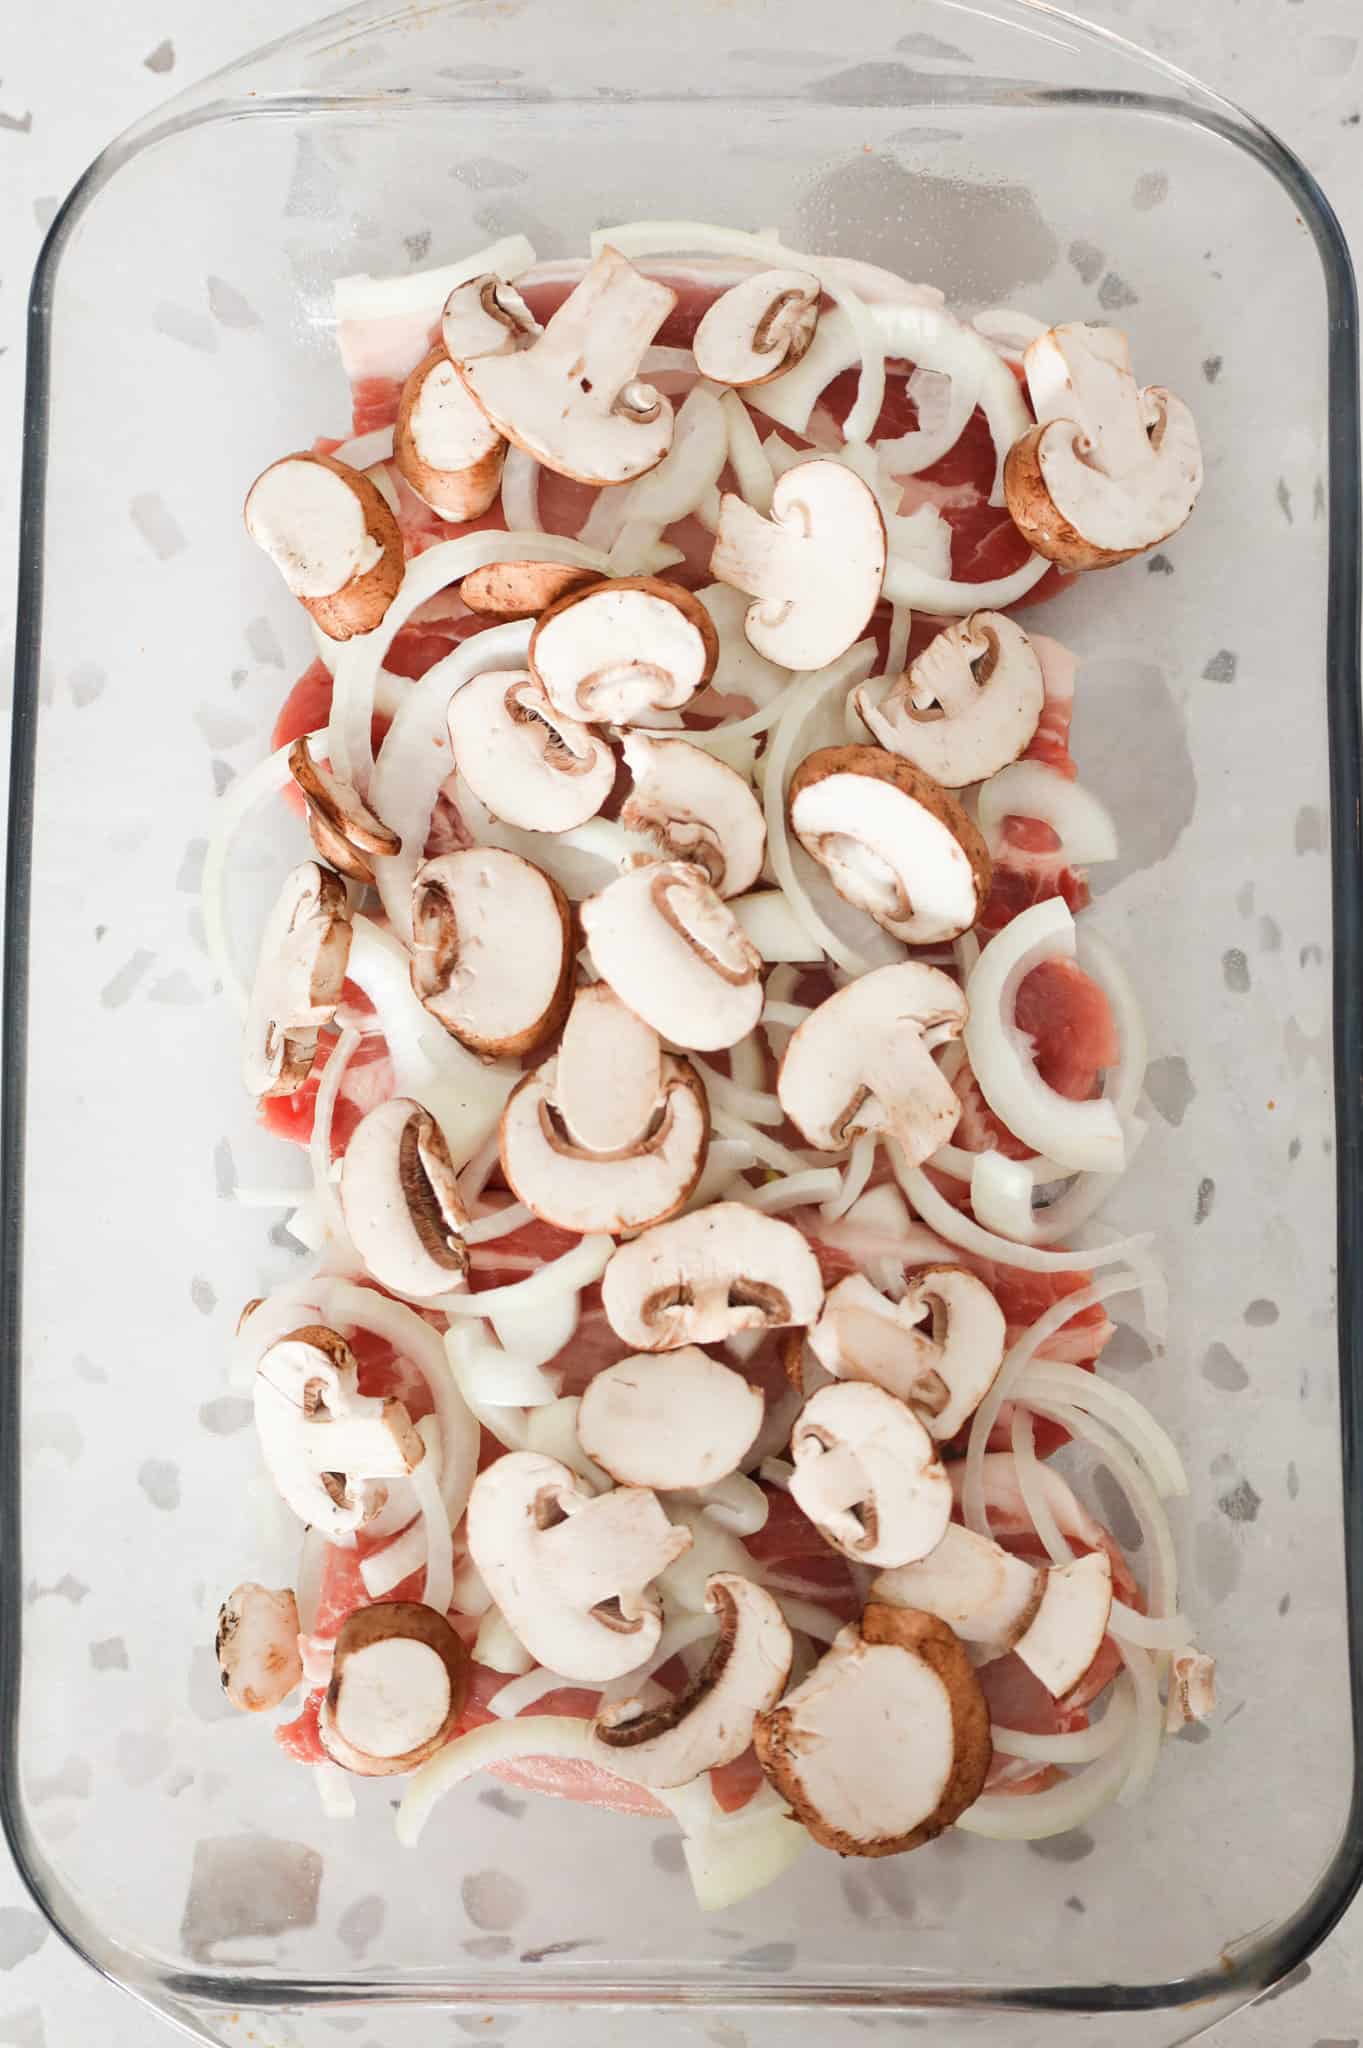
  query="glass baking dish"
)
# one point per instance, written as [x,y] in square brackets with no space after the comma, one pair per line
[180,340]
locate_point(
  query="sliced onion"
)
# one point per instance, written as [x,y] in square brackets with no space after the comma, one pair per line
[777,1472]
[775,927]
[673,490]
[789,1015]
[1031,789]
[438,1534]
[247,793]
[794,1191]
[574,1270]
[764,1150]
[1001,1192]
[736,1503]
[1156,1535]
[496,1378]
[334,1791]
[968,1236]
[1004,1817]
[901,625]
[754,1105]
[499,1742]
[465,1344]
[1080,1746]
[521,491]
[944,405]
[1016,1360]
[809,1618]
[1007,330]
[1078,1135]
[1120,1411]
[319,1142]
[1148,1632]
[1148,1732]
[1032,1486]
[419,292]
[860,1162]
[726,1161]
[267,1198]
[382,1570]
[358,661]
[497,1223]
[415,759]
[751,469]
[312,1564]
[906,583]
[729,1856]
[526,1691]
[740,671]
[664,237]
[363,451]
[499,1650]
[534,1332]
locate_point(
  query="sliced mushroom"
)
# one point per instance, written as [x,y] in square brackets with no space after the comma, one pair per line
[759,328]
[571,1573]
[623,649]
[573,398]
[895,844]
[703,1277]
[984,1593]
[332,538]
[495,993]
[710,1723]
[401,1200]
[675,953]
[1192,1689]
[1110,469]
[942,1371]
[257,1646]
[399,1679]
[814,568]
[861,1062]
[868,1476]
[611,1135]
[697,807]
[444,443]
[343,828]
[327,1446]
[969,705]
[525,761]
[486,316]
[299,979]
[886,1743]
[683,1420]
[1066,1633]
[520,590]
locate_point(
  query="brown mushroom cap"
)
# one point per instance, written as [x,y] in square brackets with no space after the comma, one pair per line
[520,590]
[895,843]
[343,828]
[399,1678]
[257,1646]
[886,1743]
[312,534]
[444,444]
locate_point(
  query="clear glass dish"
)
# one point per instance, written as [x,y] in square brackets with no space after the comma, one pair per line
[179,340]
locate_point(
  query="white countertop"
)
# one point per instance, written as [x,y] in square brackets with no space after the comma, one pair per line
[75,72]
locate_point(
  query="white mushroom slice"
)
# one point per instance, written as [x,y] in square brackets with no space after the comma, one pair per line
[525,761]
[886,1743]
[399,1677]
[257,1646]
[444,443]
[573,398]
[486,316]
[967,707]
[814,568]
[571,1573]
[894,842]
[868,1476]
[609,1135]
[1110,469]
[942,1371]
[1192,1689]
[299,978]
[401,1200]
[327,1446]
[492,949]
[697,807]
[703,1277]
[332,538]
[520,590]
[978,1588]
[861,1062]
[1067,1631]
[710,1723]
[342,827]
[622,650]
[759,328]
[683,1420]
[675,953]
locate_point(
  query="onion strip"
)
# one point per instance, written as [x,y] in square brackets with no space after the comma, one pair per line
[949,1223]
[268,778]
[319,1140]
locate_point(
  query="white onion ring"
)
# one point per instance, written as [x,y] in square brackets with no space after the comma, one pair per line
[1034,1498]
[1077,1135]
[673,490]
[319,1141]
[569,1273]
[967,1235]
[268,778]
[1004,1817]
[794,1190]
[747,458]
[1031,789]
[521,492]
[1111,1405]
[1080,1746]
[1157,1536]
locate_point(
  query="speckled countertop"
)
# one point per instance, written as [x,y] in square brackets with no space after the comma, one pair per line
[75,72]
